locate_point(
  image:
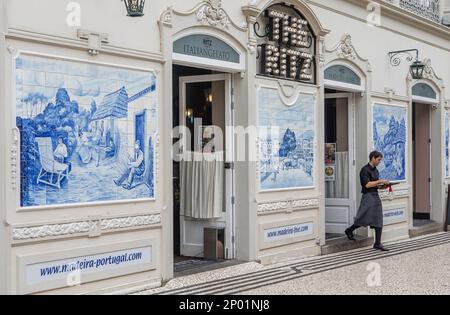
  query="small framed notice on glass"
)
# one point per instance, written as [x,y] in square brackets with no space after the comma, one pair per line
[208,141]
[330,154]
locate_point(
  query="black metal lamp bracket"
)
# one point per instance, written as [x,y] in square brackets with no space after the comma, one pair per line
[396,59]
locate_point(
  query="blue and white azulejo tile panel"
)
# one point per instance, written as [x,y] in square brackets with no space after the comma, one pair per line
[87,131]
[286,141]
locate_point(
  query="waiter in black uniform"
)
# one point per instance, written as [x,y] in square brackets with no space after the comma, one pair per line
[370,212]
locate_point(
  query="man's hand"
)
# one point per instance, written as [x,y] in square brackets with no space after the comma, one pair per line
[383,184]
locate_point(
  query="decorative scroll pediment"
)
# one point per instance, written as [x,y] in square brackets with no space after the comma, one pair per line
[429,74]
[208,12]
[212,13]
[345,49]
[208,18]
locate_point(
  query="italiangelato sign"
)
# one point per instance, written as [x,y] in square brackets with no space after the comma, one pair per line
[205,46]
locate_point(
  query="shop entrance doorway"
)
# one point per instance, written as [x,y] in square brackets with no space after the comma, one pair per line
[204,169]
[339,163]
[422,163]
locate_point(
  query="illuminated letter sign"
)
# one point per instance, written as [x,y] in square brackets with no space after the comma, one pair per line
[289,47]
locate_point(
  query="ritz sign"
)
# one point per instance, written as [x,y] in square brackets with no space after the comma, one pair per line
[288,52]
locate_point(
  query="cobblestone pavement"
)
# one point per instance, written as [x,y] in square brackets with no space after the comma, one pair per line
[415,266]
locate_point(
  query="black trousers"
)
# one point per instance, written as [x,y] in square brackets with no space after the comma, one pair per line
[378,232]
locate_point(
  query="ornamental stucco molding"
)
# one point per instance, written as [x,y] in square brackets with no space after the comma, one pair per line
[129,222]
[15,143]
[447,104]
[91,227]
[429,73]
[166,16]
[212,13]
[54,230]
[345,49]
[157,156]
[13,50]
[390,93]
[273,206]
[208,12]
[264,208]
[251,12]
[321,60]
[76,43]
[305,203]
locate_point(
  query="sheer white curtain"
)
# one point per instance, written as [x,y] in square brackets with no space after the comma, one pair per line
[339,189]
[202,185]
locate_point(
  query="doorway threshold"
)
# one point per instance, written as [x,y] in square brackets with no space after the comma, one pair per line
[424,227]
[185,266]
[333,236]
[343,244]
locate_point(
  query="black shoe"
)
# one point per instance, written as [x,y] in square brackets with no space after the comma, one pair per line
[380,247]
[350,235]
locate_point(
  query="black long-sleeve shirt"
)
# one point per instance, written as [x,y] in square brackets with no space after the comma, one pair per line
[369,174]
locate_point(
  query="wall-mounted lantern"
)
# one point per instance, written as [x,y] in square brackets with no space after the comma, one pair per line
[135,7]
[416,68]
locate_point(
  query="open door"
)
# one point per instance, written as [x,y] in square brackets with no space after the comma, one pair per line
[206,111]
[339,163]
[422,160]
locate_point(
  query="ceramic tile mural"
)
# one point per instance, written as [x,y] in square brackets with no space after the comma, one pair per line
[447,144]
[87,131]
[389,137]
[286,141]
